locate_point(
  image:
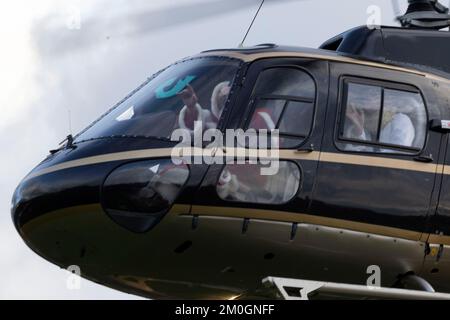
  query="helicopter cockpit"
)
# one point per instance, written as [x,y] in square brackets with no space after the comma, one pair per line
[186,92]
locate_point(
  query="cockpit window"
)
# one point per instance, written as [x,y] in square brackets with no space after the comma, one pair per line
[284,100]
[187,92]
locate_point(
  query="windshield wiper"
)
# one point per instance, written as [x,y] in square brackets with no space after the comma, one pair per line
[69,144]
[165,139]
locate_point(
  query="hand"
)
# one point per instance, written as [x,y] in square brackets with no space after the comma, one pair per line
[357,117]
[189,97]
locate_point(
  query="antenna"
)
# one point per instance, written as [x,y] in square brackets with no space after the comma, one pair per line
[241,45]
[70,121]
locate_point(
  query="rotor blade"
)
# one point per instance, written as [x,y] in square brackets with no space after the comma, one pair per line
[59,41]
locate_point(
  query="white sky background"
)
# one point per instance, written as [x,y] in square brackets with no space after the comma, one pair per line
[47,69]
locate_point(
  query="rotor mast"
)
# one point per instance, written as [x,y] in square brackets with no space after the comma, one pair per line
[425,14]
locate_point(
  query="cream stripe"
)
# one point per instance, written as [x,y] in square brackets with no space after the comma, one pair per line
[305,218]
[446,170]
[272,215]
[255,56]
[438,239]
[252,153]
[109,157]
[176,152]
[284,216]
[378,162]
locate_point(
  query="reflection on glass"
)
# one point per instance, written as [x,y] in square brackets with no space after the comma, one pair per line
[194,90]
[297,119]
[402,124]
[144,187]
[285,101]
[286,82]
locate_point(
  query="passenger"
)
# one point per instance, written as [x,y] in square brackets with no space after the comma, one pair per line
[355,129]
[398,129]
[229,187]
[192,116]
[218,99]
[355,124]
[263,119]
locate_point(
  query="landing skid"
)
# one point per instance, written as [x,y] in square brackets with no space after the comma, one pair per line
[296,289]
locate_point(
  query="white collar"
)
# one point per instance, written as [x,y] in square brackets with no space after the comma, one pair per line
[181,121]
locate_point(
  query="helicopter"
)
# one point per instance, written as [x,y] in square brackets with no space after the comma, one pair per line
[362,172]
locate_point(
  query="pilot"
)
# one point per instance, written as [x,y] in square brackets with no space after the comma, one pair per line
[219,98]
[397,129]
[192,116]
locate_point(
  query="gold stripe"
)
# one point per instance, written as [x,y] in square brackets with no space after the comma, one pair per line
[446,170]
[252,153]
[176,152]
[438,239]
[269,154]
[378,162]
[27,228]
[255,56]
[271,215]
[284,216]
[109,157]
[292,217]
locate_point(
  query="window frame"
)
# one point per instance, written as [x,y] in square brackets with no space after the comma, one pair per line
[255,99]
[340,140]
[294,196]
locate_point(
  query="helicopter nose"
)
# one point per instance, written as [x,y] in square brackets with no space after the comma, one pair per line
[132,196]
[40,200]
[93,217]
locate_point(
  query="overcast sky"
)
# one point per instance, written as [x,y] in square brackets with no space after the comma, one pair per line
[80,57]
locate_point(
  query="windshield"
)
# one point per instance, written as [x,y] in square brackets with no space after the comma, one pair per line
[190,91]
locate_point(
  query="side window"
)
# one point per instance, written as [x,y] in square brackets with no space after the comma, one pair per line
[244,183]
[382,119]
[284,99]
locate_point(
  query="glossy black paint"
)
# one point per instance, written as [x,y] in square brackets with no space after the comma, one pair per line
[82,185]
[423,49]
[382,196]
[440,223]
[371,202]
[239,118]
[392,197]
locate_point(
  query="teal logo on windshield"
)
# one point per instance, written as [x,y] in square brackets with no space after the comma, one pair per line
[163,92]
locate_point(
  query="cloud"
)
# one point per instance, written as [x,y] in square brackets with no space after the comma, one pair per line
[144,20]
